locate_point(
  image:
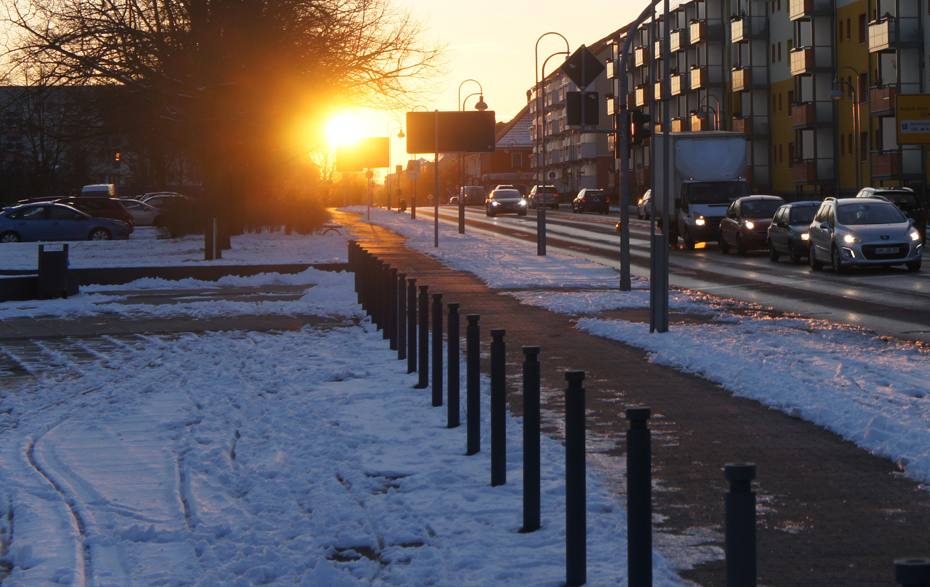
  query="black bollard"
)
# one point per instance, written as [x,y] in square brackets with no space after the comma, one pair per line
[639,498]
[498,408]
[740,526]
[437,350]
[401,297]
[912,572]
[411,324]
[382,298]
[423,321]
[392,307]
[576,542]
[454,358]
[473,385]
[531,466]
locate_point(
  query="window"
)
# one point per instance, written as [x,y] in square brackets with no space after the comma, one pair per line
[848,29]
[790,97]
[863,86]
[516,160]
[862,29]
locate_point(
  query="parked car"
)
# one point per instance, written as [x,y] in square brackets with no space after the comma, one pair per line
[100,207]
[550,196]
[644,206]
[789,232]
[99,190]
[591,200]
[164,199]
[149,195]
[862,232]
[906,201]
[746,224]
[142,214]
[57,222]
[505,201]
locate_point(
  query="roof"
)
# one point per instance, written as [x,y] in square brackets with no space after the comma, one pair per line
[517,133]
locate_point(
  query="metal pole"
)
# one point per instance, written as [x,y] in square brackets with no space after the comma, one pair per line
[411,325]
[576,545]
[436,189]
[392,307]
[498,408]
[401,316]
[454,358]
[740,526]
[423,365]
[473,384]
[639,498]
[437,350]
[531,425]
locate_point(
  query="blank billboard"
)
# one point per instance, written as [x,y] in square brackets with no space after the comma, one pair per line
[459,132]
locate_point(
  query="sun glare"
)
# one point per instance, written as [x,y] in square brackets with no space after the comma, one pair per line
[344,129]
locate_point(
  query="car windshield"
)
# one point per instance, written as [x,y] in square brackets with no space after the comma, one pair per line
[869,213]
[506,195]
[715,192]
[802,215]
[898,198]
[761,208]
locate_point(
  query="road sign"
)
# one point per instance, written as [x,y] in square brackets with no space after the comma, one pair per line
[582,67]
[913,117]
[459,132]
[413,169]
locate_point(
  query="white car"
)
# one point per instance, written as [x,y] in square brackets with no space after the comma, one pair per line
[143,214]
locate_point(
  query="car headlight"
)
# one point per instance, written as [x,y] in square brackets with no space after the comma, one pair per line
[850,239]
[805,236]
[913,235]
[521,203]
[495,203]
[750,224]
[699,221]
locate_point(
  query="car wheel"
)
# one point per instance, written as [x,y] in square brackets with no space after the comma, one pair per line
[773,253]
[794,254]
[913,265]
[689,240]
[99,234]
[812,259]
[740,247]
[724,245]
[837,260]
[10,237]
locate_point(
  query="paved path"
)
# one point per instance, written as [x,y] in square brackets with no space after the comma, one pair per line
[829,513]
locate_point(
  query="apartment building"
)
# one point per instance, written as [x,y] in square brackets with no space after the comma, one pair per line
[814,85]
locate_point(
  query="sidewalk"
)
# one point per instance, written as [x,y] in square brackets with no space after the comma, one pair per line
[829,513]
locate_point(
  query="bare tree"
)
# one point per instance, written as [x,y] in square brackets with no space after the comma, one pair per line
[230,79]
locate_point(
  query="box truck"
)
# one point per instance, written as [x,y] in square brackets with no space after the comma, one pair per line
[706,174]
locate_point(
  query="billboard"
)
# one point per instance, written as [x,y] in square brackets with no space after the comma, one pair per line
[367,153]
[913,118]
[459,132]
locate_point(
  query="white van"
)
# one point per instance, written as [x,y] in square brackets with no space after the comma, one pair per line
[99,190]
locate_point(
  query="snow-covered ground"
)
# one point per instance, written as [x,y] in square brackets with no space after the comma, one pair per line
[175,459]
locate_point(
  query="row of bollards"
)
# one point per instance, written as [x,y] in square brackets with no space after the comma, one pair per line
[400,308]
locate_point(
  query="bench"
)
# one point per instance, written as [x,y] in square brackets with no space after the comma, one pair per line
[331,227]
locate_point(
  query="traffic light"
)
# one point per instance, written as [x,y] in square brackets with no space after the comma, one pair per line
[640,127]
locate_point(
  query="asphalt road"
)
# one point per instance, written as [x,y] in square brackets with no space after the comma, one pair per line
[892,302]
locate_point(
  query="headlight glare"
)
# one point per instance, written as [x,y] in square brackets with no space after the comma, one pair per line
[913,235]
[750,224]
[850,239]
[805,236]
[699,221]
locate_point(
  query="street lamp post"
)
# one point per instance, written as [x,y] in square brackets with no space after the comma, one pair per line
[700,113]
[716,110]
[480,106]
[400,135]
[541,142]
[837,94]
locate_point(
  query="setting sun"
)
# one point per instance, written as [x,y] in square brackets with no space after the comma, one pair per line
[344,129]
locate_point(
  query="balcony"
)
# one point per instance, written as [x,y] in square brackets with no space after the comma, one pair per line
[804,171]
[698,123]
[680,125]
[893,33]
[743,125]
[741,79]
[739,29]
[612,69]
[885,164]
[802,61]
[800,8]
[657,92]
[697,30]
[643,95]
[678,82]
[882,100]
[639,56]
[613,106]
[803,115]
[678,40]
[698,78]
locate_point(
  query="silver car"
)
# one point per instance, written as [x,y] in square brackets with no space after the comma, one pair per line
[861,232]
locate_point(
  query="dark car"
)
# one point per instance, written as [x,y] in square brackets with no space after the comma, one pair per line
[543,195]
[644,206]
[789,232]
[506,201]
[57,222]
[746,225]
[100,208]
[906,201]
[590,200]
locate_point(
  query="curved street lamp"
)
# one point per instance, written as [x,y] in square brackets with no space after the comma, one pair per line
[836,95]
[481,106]
[717,110]
[540,140]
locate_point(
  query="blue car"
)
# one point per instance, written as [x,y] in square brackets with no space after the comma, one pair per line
[48,221]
